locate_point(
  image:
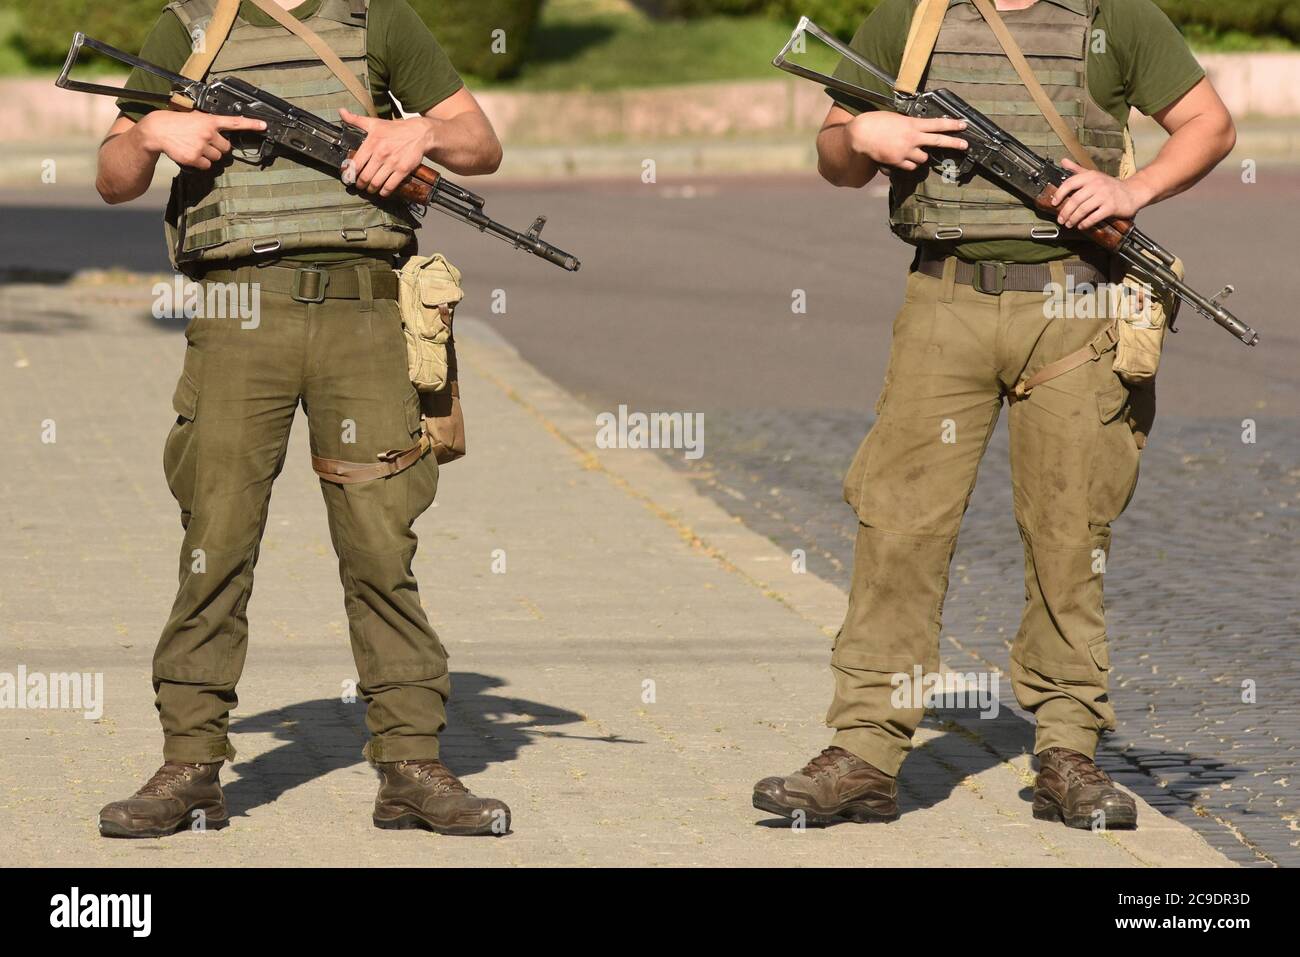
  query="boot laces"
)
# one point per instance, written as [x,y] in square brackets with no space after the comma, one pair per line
[166,779]
[825,763]
[436,774]
[1081,768]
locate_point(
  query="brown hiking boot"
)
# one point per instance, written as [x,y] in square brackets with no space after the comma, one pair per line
[425,794]
[1073,790]
[834,786]
[176,798]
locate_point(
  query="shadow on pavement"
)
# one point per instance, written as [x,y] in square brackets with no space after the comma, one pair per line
[328,734]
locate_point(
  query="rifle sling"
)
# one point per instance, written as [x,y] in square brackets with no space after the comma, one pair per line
[200,61]
[219,29]
[1026,74]
[921,38]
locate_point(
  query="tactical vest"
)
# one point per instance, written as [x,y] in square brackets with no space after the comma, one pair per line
[238,209]
[1054,36]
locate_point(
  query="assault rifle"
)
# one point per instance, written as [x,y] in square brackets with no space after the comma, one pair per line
[296,131]
[1018,169]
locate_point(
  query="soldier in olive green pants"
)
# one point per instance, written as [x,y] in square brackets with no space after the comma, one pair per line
[1074,461]
[314,248]
[345,360]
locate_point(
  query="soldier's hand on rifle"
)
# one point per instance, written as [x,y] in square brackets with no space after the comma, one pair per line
[1090,196]
[390,153]
[891,139]
[191,139]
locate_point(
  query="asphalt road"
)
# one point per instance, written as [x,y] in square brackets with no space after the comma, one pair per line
[684,304]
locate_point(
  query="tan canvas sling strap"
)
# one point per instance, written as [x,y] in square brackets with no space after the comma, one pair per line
[320,48]
[390,463]
[1026,74]
[921,38]
[1107,339]
[196,68]
[200,61]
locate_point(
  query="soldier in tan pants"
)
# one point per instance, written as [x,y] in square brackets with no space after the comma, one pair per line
[1074,464]
[986,309]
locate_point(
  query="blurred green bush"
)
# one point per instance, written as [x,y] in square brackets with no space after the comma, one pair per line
[464,28]
[48,25]
[1258,17]
[842,17]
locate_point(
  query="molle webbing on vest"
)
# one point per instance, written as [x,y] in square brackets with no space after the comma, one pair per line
[1054,36]
[284,205]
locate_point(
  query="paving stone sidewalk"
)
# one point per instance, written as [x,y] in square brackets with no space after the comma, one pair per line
[1201,597]
[620,579]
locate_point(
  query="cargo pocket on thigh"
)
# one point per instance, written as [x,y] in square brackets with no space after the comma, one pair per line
[422,483]
[860,466]
[180,451]
[1099,650]
[1114,465]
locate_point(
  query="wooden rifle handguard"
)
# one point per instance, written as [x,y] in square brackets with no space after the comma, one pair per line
[418,187]
[1107,234]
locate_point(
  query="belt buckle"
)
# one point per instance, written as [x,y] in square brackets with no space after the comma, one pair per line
[322,283]
[986,270]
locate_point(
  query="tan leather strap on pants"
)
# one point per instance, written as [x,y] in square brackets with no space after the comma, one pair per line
[390,463]
[1101,344]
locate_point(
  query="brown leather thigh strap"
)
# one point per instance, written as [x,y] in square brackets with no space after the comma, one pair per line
[389,464]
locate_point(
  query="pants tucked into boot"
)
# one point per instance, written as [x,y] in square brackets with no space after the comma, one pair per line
[345,361]
[956,352]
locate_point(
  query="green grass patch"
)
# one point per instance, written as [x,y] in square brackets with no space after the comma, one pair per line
[606,45]
[609,44]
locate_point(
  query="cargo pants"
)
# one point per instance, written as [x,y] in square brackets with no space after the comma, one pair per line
[956,353]
[345,361]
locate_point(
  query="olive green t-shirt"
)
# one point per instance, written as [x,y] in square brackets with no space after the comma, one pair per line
[403,58]
[1145,64]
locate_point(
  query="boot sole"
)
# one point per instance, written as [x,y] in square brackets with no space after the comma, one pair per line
[414,822]
[109,829]
[854,813]
[1046,809]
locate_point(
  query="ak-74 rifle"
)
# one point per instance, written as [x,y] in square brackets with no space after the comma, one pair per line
[296,131]
[1018,169]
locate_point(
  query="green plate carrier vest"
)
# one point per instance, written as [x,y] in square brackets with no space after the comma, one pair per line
[1054,36]
[237,209]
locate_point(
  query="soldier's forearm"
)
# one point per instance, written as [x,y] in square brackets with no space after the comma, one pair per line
[465,144]
[126,165]
[838,163]
[1190,153]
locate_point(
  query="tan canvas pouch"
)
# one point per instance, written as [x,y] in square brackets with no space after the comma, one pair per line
[1144,316]
[1143,322]
[428,291]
